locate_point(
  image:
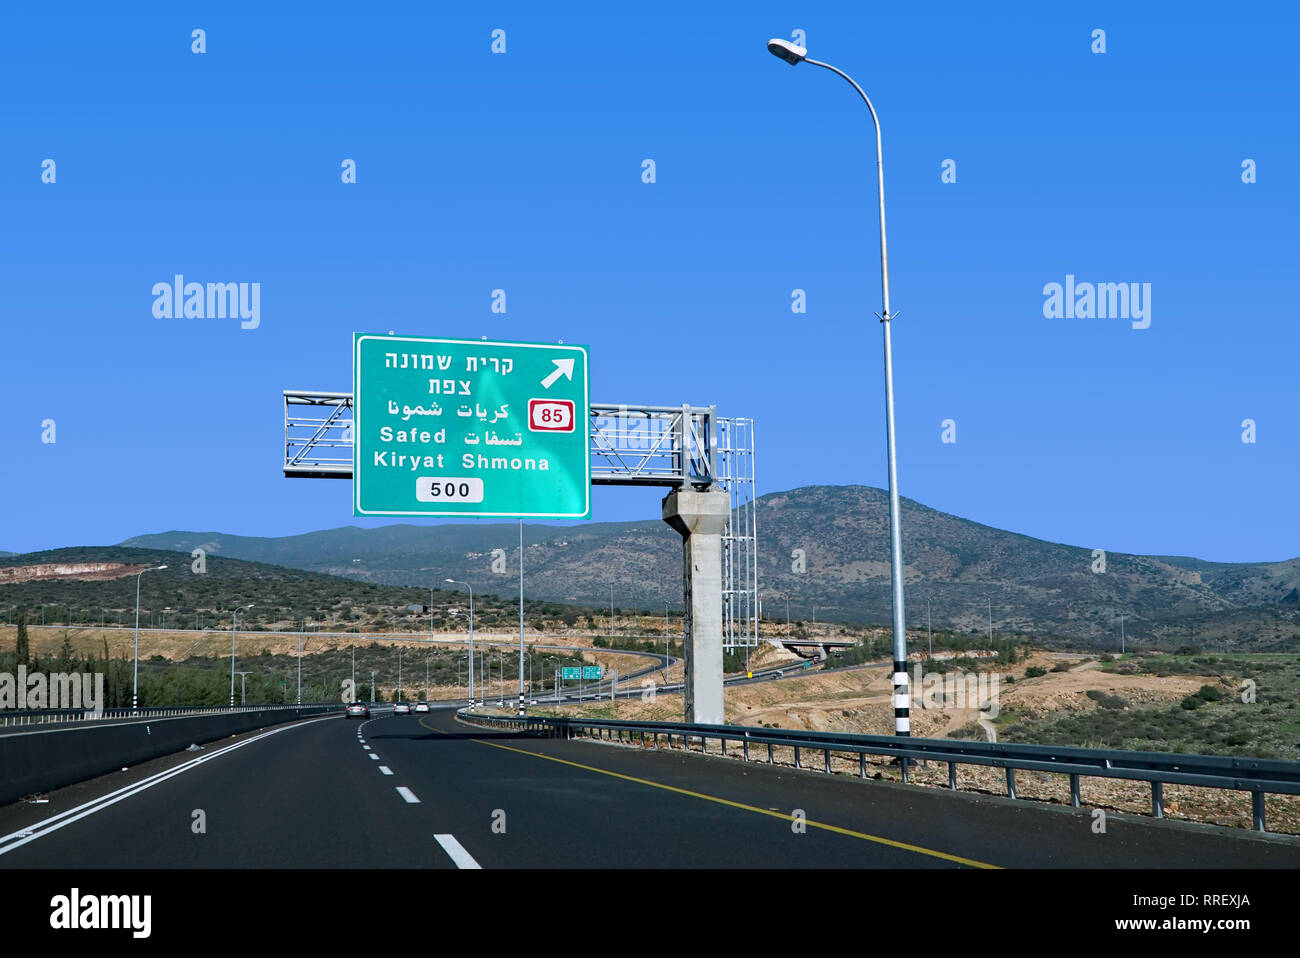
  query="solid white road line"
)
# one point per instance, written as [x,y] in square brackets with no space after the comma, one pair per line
[54,823]
[385,770]
[407,794]
[456,851]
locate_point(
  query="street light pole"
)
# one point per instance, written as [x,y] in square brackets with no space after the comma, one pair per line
[793,54]
[135,669]
[666,650]
[521,619]
[471,638]
[234,629]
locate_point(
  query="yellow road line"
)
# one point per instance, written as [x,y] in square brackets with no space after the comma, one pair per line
[741,805]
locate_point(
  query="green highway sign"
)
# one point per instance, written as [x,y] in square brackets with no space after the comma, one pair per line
[591,672]
[585,672]
[468,427]
[567,673]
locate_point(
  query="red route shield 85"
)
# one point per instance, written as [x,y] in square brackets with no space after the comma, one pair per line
[550,415]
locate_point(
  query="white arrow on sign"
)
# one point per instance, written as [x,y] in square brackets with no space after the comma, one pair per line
[563,367]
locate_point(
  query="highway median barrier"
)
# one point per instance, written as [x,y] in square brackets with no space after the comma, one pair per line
[44,758]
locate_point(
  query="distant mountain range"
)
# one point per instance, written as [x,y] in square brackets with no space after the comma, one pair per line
[1037,588]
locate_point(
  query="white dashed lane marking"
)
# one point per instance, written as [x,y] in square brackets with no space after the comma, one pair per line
[456,851]
[374,756]
[385,770]
[407,794]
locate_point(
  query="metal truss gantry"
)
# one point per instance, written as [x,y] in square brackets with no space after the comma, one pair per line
[630,445]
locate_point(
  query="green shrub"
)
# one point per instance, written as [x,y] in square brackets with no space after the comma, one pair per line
[1034,672]
[1106,700]
[1191,703]
[1209,693]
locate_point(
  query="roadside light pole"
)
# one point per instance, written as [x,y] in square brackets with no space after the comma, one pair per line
[666,649]
[794,54]
[234,629]
[521,618]
[471,638]
[135,669]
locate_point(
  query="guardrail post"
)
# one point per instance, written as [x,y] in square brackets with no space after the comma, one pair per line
[745,745]
[1011,782]
[656,735]
[769,753]
[1257,810]
[862,765]
[796,757]
[952,776]
[1158,799]
[828,761]
[723,739]
[905,765]
[1074,790]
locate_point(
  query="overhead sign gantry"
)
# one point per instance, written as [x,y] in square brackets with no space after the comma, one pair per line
[452,427]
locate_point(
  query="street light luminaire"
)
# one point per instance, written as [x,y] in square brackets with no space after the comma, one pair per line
[791,53]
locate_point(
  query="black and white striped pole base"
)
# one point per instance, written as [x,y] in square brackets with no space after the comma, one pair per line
[902,700]
[902,720]
[521,703]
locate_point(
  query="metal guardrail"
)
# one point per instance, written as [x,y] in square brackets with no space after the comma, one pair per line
[1259,777]
[12,718]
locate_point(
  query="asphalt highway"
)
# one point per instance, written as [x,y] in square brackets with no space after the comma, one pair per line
[426,791]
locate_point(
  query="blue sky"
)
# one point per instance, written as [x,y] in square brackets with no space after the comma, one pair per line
[522,171]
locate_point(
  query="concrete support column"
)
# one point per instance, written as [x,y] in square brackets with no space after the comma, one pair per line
[700,518]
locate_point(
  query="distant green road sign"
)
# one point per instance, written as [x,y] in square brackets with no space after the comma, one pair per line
[452,427]
[585,672]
